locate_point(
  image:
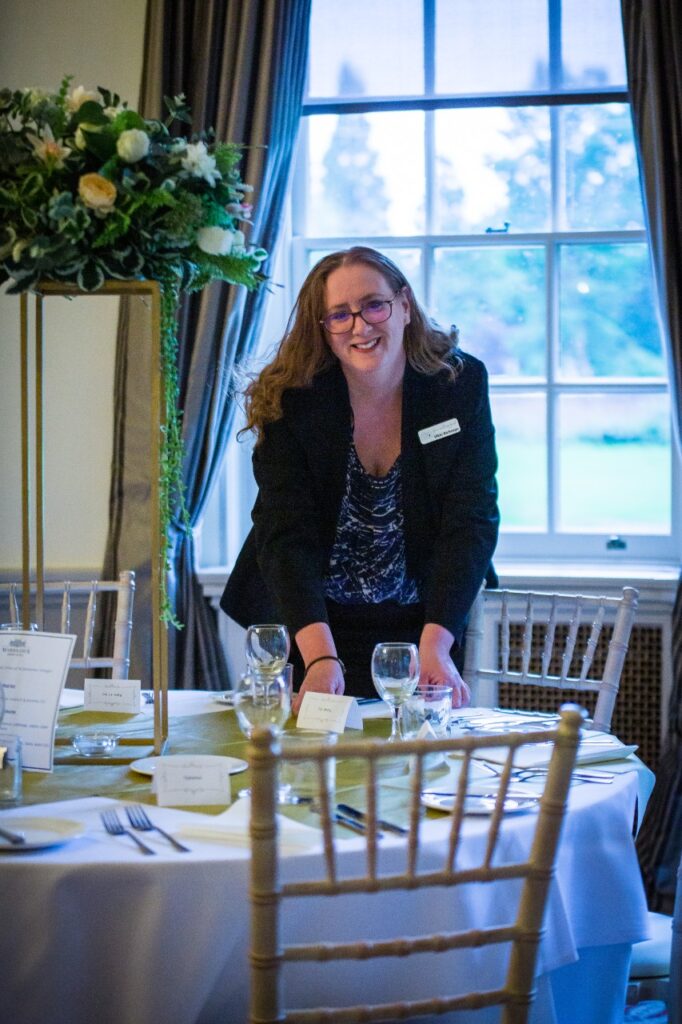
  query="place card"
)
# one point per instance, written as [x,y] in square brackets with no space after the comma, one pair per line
[328,712]
[119,695]
[33,668]
[184,781]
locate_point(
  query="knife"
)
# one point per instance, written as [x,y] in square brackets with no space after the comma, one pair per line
[356,826]
[361,816]
[16,838]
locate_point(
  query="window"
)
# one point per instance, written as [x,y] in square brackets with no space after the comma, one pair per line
[488,148]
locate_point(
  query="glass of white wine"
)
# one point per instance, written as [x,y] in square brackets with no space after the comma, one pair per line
[395,674]
[267,649]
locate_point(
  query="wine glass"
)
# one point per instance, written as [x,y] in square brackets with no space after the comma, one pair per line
[267,649]
[261,701]
[395,674]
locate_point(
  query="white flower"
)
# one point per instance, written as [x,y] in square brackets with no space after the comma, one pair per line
[78,96]
[215,241]
[132,145]
[47,149]
[199,163]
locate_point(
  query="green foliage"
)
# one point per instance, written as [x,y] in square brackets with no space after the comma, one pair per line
[90,191]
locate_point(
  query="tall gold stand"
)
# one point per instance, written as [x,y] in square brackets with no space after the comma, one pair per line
[151,290]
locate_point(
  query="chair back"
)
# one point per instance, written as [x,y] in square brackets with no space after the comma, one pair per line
[78,603]
[560,634]
[500,864]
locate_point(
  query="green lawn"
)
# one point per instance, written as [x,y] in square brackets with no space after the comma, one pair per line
[617,487]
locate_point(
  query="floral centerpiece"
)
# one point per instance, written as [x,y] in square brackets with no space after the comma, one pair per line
[91,191]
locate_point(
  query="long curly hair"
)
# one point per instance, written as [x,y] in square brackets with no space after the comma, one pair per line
[304,351]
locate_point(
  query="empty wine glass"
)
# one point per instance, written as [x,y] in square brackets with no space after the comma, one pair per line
[262,701]
[395,674]
[267,649]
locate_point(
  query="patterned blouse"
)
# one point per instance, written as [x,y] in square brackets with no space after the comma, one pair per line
[367,563]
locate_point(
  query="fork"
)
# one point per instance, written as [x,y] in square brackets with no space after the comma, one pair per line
[139,819]
[115,828]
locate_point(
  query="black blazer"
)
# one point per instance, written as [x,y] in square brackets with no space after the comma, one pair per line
[449,497]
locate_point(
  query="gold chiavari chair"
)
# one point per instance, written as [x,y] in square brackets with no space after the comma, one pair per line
[269,952]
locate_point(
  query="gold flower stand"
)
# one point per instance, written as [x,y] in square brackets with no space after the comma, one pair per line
[32,500]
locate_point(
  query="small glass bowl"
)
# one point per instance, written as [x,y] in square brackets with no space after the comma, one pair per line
[94,744]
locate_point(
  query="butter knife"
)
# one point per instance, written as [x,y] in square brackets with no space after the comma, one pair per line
[15,838]
[362,817]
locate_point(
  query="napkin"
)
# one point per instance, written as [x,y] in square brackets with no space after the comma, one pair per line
[594,748]
[233,827]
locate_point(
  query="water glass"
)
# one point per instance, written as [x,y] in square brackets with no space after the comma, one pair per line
[431,703]
[267,648]
[302,778]
[261,702]
[10,769]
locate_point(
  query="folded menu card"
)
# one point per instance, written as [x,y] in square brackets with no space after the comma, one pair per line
[33,668]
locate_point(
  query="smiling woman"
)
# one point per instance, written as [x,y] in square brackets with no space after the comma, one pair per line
[376,516]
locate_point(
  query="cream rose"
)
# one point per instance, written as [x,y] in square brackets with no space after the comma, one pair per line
[132,145]
[97,192]
[215,241]
[78,96]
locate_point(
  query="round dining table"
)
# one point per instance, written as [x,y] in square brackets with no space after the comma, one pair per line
[92,929]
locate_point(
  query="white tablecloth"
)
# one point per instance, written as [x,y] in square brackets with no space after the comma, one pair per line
[95,931]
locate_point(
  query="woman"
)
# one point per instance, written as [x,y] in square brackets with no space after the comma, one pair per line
[376,516]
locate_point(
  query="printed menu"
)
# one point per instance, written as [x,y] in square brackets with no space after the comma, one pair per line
[33,669]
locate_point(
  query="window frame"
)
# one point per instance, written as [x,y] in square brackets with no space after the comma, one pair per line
[513,544]
[289,266]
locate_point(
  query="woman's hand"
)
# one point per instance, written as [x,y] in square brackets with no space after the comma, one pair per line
[324,677]
[436,665]
[316,641]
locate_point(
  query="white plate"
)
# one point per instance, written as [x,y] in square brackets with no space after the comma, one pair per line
[225,698]
[147,765]
[40,833]
[480,804]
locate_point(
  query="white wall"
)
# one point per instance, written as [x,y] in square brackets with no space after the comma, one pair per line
[99,43]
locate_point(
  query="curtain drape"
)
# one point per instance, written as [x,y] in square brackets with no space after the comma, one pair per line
[653,49]
[242,69]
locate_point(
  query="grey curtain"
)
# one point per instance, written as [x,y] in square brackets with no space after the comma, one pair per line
[242,68]
[653,48]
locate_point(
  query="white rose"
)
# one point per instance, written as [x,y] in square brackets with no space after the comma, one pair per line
[238,241]
[132,145]
[215,241]
[78,96]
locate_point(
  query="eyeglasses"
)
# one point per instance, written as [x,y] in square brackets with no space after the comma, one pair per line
[374,312]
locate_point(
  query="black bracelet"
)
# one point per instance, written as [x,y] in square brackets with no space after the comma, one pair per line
[324,657]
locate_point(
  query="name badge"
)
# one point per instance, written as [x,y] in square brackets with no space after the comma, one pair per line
[439,430]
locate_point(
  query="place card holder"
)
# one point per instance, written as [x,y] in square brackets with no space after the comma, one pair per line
[32,497]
